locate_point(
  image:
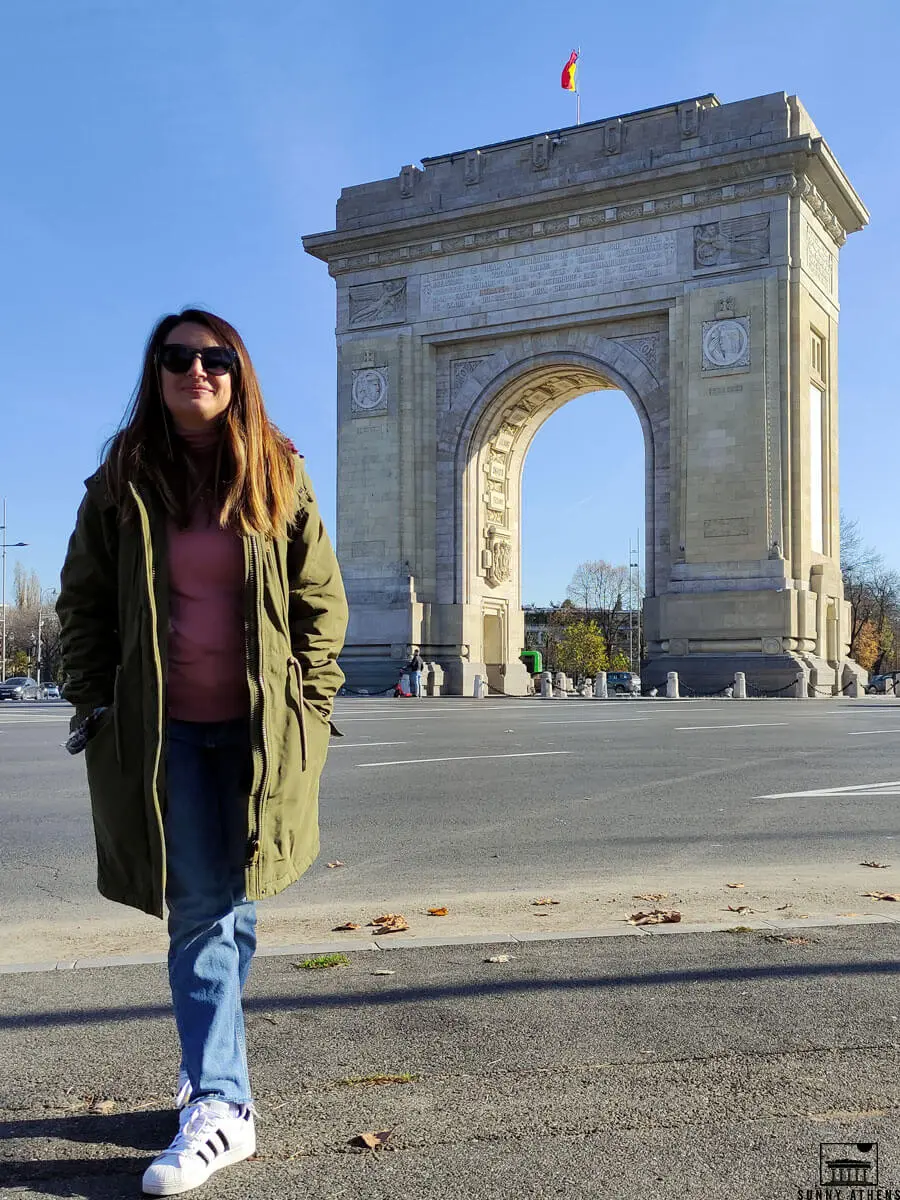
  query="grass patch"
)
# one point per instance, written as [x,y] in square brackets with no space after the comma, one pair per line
[377,1080]
[318,961]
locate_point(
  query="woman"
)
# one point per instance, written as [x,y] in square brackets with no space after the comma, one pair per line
[202,613]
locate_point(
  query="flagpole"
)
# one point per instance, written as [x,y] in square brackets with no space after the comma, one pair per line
[578,95]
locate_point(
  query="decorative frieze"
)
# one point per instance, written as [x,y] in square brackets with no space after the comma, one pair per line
[744,189]
[803,187]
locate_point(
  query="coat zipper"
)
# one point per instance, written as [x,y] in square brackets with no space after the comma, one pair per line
[253,643]
[150,577]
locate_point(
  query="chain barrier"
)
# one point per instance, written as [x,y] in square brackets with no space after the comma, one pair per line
[690,694]
[760,693]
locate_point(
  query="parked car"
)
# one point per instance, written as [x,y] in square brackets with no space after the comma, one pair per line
[623,682]
[51,691]
[876,685]
[20,687]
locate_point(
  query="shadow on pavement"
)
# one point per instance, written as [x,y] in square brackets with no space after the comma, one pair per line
[413,995]
[94,1178]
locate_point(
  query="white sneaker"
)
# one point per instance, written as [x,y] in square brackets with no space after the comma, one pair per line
[213,1135]
[183,1089]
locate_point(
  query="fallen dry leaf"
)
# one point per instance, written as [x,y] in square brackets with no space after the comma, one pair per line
[371,1141]
[653,897]
[545,900]
[346,925]
[659,916]
[102,1107]
[735,885]
[438,912]
[882,866]
[882,895]
[740,908]
[498,958]
[337,863]
[389,923]
[383,971]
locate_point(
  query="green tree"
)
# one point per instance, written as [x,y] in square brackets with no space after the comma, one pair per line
[582,649]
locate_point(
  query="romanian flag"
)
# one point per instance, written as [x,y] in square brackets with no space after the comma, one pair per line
[568,73]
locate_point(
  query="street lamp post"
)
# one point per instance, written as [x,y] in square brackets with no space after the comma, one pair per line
[51,592]
[4,544]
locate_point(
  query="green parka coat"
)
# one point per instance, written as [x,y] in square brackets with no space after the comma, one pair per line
[113,610]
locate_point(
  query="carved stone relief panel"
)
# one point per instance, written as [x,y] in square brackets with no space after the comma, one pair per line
[461,371]
[369,391]
[647,346]
[378,303]
[726,340]
[740,240]
[498,556]
[819,261]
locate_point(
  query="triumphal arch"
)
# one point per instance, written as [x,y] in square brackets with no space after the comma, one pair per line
[686,255]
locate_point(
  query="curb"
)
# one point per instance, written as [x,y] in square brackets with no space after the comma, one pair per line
[484,939]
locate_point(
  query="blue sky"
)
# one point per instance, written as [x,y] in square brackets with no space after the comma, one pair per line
[158,153]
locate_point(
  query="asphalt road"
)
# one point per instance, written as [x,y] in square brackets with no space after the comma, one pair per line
[484,806]
[648,1067]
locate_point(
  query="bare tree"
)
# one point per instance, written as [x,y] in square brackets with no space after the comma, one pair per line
[601,592]
[873,590]
[26,587]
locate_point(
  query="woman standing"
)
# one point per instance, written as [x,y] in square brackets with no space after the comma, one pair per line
[202,613]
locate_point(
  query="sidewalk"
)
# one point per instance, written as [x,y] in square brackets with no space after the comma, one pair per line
[648,1066]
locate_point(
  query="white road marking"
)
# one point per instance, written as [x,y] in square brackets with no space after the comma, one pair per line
[748,725]
[891,788]
[362,745]
[867,732]
[409,762]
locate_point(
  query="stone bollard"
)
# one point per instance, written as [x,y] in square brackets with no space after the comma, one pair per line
[480,687]
[560,689]
[600,692]
[546,685]
[801,686]
[654,692]
[852,689]
[587,689]
[729,693]
[672,692]
[740,686]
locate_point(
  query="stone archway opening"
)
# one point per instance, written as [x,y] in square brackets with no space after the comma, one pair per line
[493,467]
[583,502]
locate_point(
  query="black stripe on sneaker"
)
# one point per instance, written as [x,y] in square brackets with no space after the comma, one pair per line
[202,1156]
[216,1150]
[226,1145]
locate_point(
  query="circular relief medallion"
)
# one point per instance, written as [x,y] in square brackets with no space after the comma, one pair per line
[726,344]
[369,388]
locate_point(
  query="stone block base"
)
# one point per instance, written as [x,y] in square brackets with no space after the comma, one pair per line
[709,673]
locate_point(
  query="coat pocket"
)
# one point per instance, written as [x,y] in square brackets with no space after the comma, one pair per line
[295,672]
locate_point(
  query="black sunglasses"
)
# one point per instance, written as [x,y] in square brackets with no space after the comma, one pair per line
[215,360]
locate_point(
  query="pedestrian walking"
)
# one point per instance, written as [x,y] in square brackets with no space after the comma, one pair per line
[202,612]
[414,670]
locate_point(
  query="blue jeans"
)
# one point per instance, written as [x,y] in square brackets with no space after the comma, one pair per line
[415,683]
[212,925]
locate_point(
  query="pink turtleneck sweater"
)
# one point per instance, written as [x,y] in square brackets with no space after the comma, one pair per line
[207,673]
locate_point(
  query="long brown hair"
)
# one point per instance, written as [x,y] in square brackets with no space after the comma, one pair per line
[253,476]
